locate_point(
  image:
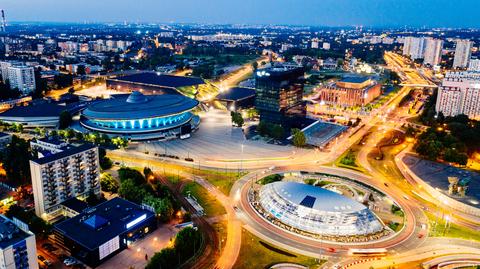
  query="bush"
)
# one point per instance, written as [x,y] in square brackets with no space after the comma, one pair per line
[270,179]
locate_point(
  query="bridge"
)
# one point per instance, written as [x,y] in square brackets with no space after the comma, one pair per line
[418,85]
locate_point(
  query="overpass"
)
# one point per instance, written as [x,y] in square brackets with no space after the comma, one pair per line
[418,85]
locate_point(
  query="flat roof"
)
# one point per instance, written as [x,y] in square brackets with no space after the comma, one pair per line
[10,234]
[65,153]
[161,80]
[75,204]
[98,225]
[2,134]
[315,197]
[38,110]
[139,106]
[354,79]
[236,94]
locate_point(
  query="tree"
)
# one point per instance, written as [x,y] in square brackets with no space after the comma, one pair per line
[15,159]
[255,66]
[65,120]
[105,162]
[81,70]
[163,207]
[299,139]
[125,173]
[108,183]
[147,172]
[166,258]
[277,132]
[237,118]
[131,191]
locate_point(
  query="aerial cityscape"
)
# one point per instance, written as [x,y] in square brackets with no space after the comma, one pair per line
[240,134]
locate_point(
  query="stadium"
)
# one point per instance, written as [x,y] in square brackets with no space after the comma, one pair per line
[315,210]
[140,117]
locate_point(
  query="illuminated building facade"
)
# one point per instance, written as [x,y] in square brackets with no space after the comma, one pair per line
[351,91]
[279,93]
[103,231]
[143,117]
[316,210]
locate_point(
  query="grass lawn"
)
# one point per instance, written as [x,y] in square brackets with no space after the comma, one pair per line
[223,180]
[254,254]
[350,155]
[454,231]
[211,206]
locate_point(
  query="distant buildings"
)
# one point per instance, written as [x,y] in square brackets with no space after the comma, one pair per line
[101,232]
[19,76]
[279,93]
[352,91]
[62,172]
[474,65]
[460,94]
[17,245]
[326,46]
[463,52]
[433,51]
[414,47]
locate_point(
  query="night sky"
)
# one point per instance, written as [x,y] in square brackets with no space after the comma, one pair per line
[430,13]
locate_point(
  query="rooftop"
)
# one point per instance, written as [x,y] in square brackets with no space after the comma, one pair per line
[97,225]
[39,110]
[75,204]
[161,80]
[354,79]
[63,154]
[236,94]
[139,106]
[315,197]
[10,233]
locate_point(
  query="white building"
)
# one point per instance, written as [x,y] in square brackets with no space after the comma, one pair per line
[71,173]
[4,65]
[433,51]
[414,47]
[22,77]
[315,43]
[17,245]
[474,65]
[326,46]
[460,94]
[463,52]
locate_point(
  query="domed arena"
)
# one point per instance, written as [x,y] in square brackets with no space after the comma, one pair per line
[317,211]
[142,117]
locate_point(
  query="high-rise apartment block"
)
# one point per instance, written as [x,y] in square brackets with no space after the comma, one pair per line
[62,172]
[17,245]
[460,94]
[414,47]
[433,51]
[463,52]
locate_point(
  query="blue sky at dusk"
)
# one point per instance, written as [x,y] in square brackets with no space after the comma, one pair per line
[446,13]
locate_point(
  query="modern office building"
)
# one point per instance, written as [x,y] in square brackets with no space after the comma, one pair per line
[101,232]
[463,52]
[279,93]
[414,47]
[72,172]
[460,94]
[17,245]
[474,65]
[316,210]
[156,83]
[350,91]
[143,117]
[433,51]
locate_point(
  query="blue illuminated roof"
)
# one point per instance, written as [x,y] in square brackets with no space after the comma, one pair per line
[139,106]
[308,201]
[161,80]
[96,222]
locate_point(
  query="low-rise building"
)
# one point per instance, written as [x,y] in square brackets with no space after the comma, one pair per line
[351,91]
[101,232]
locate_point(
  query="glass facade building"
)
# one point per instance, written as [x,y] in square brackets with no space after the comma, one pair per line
[317,210]
[279,93]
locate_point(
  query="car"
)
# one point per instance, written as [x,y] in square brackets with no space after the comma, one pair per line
[385,183]
[47,263]
[40,257]
[70,262]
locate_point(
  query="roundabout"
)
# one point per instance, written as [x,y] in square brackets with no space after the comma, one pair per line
[321,246]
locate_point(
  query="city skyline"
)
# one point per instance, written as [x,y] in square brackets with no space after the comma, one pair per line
[374,13]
